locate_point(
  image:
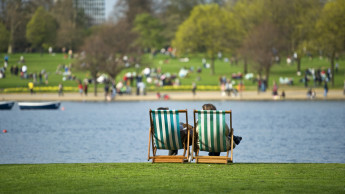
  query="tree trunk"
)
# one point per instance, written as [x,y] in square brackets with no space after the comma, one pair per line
[245,65]
[10,43]
[267,75]
[212,66]
[332,67]
[298,64]
[95,86]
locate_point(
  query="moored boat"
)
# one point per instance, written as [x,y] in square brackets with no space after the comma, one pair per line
[6,105]
[38,105]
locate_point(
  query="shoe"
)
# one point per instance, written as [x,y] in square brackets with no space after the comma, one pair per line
[237,139]
[173,152]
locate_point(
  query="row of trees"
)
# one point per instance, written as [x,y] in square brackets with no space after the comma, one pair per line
[260,29]
[37,24]
[254,30]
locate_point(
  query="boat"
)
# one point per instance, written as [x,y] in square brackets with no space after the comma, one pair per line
[38,105]
[6,105]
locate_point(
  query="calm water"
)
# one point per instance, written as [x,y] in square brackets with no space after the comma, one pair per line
[310,131]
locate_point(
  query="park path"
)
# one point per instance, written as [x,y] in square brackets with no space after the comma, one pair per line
[202,96]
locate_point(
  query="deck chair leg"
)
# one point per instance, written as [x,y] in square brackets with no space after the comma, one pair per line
[150,134]
[232,144]
[197,154]
[190,157]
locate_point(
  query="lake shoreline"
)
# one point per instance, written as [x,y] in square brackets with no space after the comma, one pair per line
[177,96]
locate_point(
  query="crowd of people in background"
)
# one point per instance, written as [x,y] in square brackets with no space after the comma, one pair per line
[230,85]
[318,76]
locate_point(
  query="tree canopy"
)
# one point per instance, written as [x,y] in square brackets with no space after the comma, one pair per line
[3,37]
[41,30]
[209,29]
[331,29]
[149,30]
[260,45]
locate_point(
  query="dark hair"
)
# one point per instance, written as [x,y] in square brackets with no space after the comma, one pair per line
[208,107]
[163,108]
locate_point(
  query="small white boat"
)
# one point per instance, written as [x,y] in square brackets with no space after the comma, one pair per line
[6,105]
[38,105]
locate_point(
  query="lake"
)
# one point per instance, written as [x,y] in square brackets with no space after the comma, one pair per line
[102,132]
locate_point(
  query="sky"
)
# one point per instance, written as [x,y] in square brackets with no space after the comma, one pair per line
[109,5]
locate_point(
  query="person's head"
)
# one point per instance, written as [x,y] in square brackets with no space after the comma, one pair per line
[208,107]
[163,108]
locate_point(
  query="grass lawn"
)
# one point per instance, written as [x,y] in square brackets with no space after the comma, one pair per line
[35,63]
[172,178]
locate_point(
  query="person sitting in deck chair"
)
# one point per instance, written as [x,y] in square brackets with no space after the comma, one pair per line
[237,139]
[183,133]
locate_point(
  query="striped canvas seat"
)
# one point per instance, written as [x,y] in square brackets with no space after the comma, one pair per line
[212,136]
[212,131]
[165,135]
[167,129]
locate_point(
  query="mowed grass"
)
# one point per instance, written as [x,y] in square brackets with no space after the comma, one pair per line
[226,69]
[36,62]
[172,178]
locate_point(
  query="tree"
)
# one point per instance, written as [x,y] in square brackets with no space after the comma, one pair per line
[15,15]
[330,30]
[118,40]
[103,51]
[259,46]
[72,24]
[172,13]
[149,30]
[4,35]
[93,57]
[209,29]
[47,4]
[294,19]
[129,9]
[249,13]
[41,30]
[295,29]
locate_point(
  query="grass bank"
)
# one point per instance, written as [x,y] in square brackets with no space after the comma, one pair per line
[172,178]
[170,66]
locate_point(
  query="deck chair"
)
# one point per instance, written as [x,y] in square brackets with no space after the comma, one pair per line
[165,134]
[211,137]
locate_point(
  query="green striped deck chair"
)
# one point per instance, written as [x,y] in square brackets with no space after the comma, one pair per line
[212,135]
[165,135]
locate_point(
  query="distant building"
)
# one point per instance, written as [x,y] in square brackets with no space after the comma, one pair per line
[94,9]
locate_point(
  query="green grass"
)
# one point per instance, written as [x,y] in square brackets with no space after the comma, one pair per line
[36,63]
[172,178]
[224,68]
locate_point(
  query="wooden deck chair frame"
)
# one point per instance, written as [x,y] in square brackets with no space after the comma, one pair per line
[212,159]
[165,158]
